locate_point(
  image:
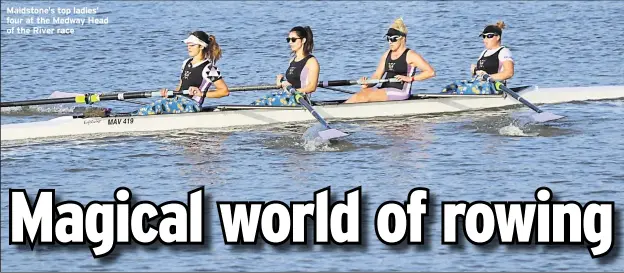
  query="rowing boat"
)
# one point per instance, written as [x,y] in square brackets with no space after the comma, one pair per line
[224,116]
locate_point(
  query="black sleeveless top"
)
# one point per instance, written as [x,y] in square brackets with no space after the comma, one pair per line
[490,63]
[293,73]
[200,76]
[396,67]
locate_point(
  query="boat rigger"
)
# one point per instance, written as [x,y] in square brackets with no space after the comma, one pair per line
[226,116]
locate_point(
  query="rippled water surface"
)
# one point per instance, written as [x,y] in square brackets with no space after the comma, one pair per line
[483,155]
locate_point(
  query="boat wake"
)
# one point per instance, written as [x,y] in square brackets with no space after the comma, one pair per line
[513,124]
[42,110]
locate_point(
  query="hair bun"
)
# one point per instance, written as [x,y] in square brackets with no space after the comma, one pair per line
[501,24]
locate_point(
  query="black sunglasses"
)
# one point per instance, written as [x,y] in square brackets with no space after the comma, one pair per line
[489,35]
[393,39]
[289,40]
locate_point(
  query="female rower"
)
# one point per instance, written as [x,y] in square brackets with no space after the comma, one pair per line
[198,73]
[398,62]
[302,73]
[495,60]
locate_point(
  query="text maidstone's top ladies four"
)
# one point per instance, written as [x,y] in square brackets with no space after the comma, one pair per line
[200,71]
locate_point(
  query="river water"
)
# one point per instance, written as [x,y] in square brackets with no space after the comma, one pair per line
[482,155]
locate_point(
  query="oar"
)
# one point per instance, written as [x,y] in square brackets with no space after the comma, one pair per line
[354,82]
[65,97]
[340,90]
[331,133]
[59,94]
[91,98]
[541,115]
[328,133]
[319,84]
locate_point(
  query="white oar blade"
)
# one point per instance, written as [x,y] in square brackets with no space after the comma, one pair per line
[59,94]
[545,117]
[331,134]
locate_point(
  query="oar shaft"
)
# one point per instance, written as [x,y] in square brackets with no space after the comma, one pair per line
[313,112]
[92,98]
[309,107]
[517,97]
[89,98]
[36,102]
[253,87]
[354,82]
[320,84]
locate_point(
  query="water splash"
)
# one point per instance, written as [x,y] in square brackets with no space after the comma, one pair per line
[513,130]
[318,145]
[313,142]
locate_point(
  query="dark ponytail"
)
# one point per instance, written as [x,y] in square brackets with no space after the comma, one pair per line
[305,32]
[213,50]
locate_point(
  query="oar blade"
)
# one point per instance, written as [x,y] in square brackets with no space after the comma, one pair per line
[331,134]
[545,117]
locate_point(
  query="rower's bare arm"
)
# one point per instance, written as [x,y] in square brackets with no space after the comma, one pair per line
[381,66]
[178,86]
[507,73]
[426,70]
[314,69]
[221,90]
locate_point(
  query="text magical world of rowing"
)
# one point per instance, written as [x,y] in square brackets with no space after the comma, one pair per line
[104,224]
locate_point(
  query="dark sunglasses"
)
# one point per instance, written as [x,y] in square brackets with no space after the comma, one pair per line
[393,39]
[489,35]
[291,40]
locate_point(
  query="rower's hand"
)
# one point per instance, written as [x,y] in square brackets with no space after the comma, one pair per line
[473,67]
[363,81]
[403,78]
[278,80]
[163,92]
[194,91]
[286,85]
[480,73]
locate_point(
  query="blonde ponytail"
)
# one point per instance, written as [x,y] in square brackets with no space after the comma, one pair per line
[501,25]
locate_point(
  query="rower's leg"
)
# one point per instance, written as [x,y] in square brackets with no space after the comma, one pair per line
[361,96]
[378,95]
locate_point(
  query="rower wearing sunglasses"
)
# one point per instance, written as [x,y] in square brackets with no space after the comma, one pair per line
[398,62]
[495,60]
[302,73]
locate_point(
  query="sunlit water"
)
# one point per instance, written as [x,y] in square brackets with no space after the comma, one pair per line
[489,155]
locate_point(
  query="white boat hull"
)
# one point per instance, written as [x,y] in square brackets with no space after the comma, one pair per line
[69,126]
